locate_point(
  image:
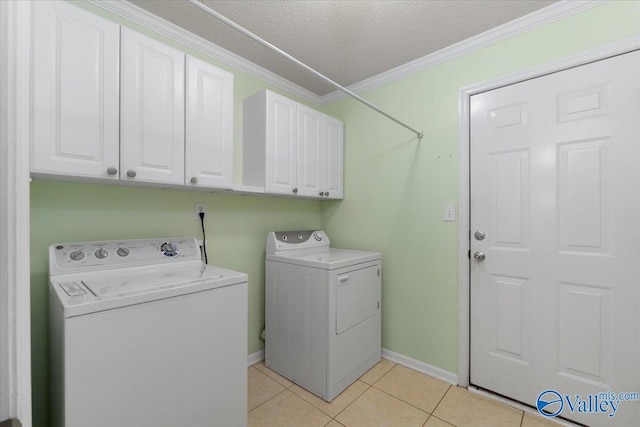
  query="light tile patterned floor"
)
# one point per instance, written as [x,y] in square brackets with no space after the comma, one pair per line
[387,395]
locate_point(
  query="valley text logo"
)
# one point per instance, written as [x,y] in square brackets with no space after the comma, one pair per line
[550,403]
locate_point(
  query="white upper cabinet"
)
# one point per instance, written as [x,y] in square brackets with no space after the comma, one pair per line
[209,126]
[281,139]
[75,119]
[332,157]
[289,148]
[152,110]
[309,156]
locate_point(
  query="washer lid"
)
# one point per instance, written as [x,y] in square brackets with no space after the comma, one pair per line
[328,260]
[95,291]
[148,280]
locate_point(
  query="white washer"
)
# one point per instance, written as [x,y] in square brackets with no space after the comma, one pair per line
[144,334]
[323,322]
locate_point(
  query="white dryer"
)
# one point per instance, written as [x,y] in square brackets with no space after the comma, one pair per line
[144,334]
[323,321]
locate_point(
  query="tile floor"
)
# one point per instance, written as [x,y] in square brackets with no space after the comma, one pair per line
[387,395]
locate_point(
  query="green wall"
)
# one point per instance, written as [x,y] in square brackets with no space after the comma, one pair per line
[395,189]
[395,186]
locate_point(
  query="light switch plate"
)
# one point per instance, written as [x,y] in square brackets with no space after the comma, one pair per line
[449,212]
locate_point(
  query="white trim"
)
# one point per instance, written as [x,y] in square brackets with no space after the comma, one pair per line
[539,18]
[532,21]
[592,55]
[254,358]
[419,366]
[15,357]
[165,28]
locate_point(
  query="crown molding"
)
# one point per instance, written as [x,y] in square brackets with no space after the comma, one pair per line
[532,21]
[152,22]
[537,19]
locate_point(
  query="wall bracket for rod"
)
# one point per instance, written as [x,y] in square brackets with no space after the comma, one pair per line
[203,7]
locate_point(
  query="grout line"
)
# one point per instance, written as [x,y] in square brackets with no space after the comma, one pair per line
[442,398]
[275,395]
[397,398]
[352,402]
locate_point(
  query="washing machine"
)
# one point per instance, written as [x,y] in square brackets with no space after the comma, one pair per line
[323,318]
[144,334]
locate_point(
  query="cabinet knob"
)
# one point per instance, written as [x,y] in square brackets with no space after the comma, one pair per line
[321,194]
[112,171]
[194,180]
[131,173]
[326,194]
[295,191]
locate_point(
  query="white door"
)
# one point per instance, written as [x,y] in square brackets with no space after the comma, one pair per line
[309,159]
[152,110]
[281,132]
[333,135]
[555,182]
[75,92]
[209,126]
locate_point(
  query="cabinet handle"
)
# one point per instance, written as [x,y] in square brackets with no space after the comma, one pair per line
[295,191]
[194,180]
[342,280]
[131,173]
[112,171]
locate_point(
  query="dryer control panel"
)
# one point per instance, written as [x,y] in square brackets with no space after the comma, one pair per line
[285,241]
[87,256]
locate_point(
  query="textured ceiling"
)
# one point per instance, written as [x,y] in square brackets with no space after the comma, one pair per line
[348,41]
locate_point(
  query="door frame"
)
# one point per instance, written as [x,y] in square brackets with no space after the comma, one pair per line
[464,231]
[15,323]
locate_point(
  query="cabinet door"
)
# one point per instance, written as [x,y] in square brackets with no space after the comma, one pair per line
[333,166]
[75,92]
[152,110]
[281,139]
[209,126]
[309,159]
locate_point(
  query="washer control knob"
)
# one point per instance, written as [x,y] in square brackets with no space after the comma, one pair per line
[101,253]
[77,255]
[317,236]
[169,248]
[122,251]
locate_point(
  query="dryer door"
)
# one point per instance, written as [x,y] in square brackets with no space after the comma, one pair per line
[357,296]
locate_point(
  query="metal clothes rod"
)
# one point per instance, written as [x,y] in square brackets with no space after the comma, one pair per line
[279,51]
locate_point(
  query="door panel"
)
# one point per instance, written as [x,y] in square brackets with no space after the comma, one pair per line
[554,185]
[309,162]
[152,111]
[281,144]
[75,92]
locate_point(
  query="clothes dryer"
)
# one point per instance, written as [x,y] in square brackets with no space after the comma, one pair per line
[323,318]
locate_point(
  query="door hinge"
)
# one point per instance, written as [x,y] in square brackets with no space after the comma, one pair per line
[378,272]
[378,305]
[469,254]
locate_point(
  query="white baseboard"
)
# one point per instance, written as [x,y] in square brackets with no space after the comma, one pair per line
[419,366]
[398,358]
[254,358]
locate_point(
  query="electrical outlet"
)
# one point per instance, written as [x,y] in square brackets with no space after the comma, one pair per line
[200,207]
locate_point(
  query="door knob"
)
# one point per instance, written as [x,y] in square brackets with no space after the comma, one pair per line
[479,256]
[479,235]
